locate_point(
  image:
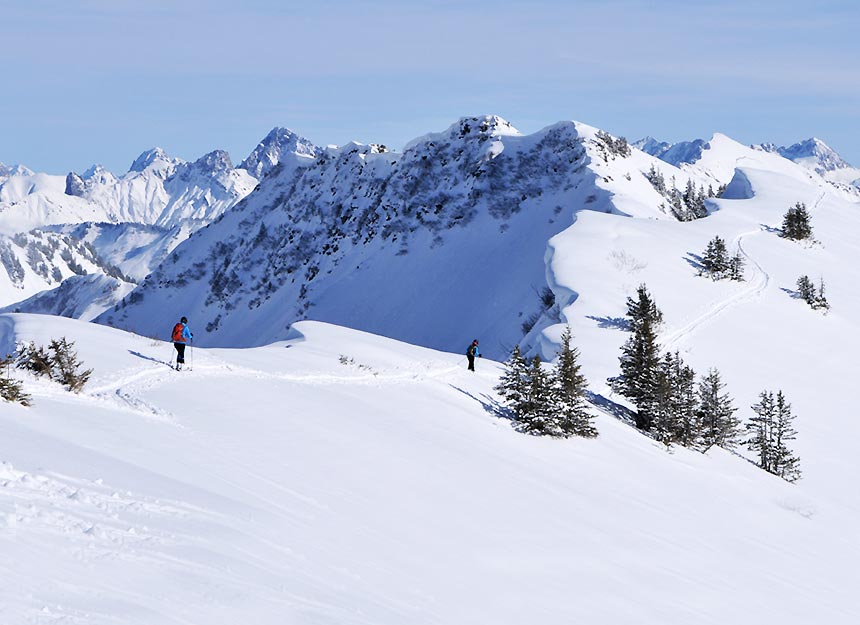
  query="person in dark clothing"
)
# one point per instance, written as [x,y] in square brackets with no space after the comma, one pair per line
[181,337]
[471,353]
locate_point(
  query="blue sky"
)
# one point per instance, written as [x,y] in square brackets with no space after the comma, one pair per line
[96,81]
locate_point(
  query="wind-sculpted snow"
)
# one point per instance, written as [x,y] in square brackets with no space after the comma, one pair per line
[434,245]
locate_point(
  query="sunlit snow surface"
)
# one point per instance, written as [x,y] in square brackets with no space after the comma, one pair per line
[340,477]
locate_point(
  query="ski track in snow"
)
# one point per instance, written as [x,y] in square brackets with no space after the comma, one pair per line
[88,510]
[756,286]
[124,389]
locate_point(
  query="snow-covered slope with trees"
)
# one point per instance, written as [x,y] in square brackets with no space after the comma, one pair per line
[346,478]
[132,221]
[40,260]
[359,236]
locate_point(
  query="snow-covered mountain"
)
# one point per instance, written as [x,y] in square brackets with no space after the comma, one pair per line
[280,146]
[133,221]
[157,190]
[357,236]
[818,156]
[812,153]
[673,153]
[14,170]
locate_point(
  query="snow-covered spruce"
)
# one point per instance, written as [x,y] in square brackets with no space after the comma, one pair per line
[548,403]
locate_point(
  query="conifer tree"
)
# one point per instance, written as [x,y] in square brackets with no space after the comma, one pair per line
[715,260]
[514,384]
[569,392]
[806,290]
[538,417]
[770,431]
[675,416]
[785,463]
[663,415]
[796,223]
[643,308]
[719,425]
[640,357]
[760,428]
[10,389]
[736,267]
[820,299]
[686,428]
[65,366]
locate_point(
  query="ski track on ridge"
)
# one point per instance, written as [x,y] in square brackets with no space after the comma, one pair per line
[759,282]
[125,388]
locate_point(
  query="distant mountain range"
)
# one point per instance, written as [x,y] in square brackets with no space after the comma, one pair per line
[812,153]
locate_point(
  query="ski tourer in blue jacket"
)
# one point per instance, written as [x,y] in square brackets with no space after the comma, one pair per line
[471,352]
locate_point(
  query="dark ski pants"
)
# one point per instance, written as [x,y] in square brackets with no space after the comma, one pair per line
[180,353]
[471,362]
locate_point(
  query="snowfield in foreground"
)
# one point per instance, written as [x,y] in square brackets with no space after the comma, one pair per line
[279,485]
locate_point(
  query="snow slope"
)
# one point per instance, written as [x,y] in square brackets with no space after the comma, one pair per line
[277,485]
[41,260]
[756,332]
[136,249]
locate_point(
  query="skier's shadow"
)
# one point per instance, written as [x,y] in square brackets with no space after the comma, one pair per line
[150,358]
[488,404]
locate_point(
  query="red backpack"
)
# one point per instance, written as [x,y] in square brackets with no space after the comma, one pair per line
[177,333]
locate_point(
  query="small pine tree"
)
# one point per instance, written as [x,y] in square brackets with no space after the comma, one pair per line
[806,289]
[65,366]
[10,389]
[538,417]
[715,260]
[716,414]
[686,428]
[736,267]
[785,463]
[642,308]
[33,358]
[662,407]
[770,430]
[639,361]
[796,223]
[760,428]
[820,299]
[569,392]
[640,357]
[514,384]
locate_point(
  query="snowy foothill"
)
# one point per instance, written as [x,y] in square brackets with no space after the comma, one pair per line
[343,477]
